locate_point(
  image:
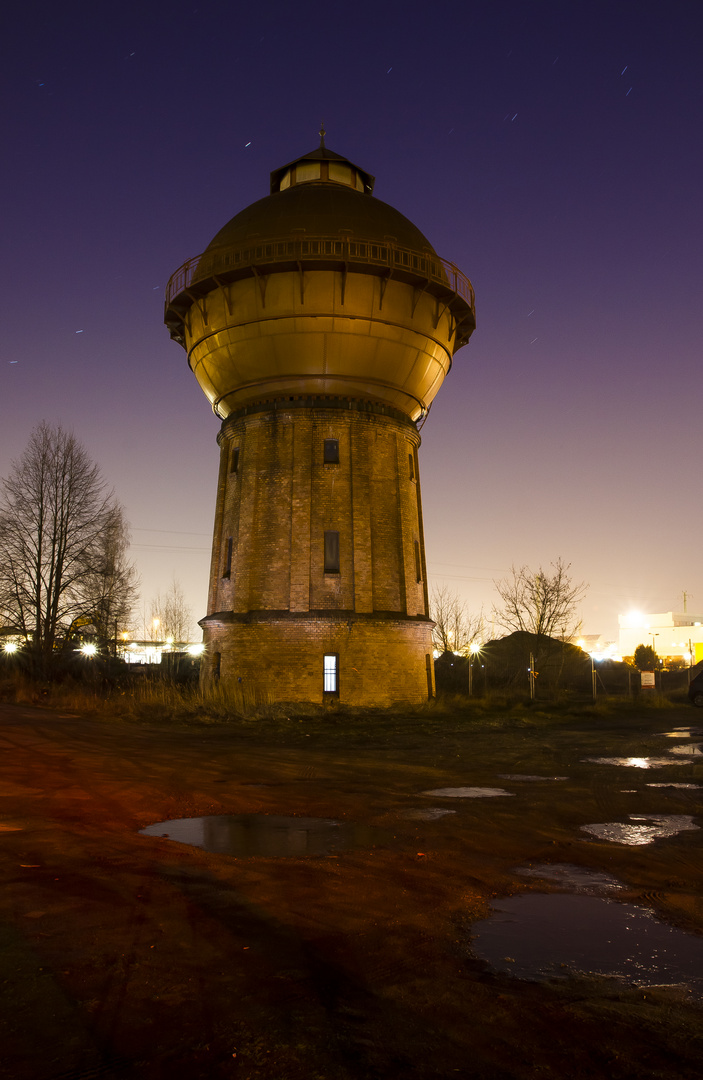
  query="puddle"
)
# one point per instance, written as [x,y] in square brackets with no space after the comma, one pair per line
[691,787]
[574,879]
[641,832]
[639,762]
[266,834]
[467,792]
[687,748]
[543,936]
[682,733]
[432,813]
[525,778]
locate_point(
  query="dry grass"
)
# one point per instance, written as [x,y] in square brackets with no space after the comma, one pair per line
[159,701]
[142,700]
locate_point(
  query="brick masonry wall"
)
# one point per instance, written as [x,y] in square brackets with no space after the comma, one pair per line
[381,662]
[272,514]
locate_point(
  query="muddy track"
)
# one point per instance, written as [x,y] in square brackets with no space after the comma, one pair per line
[127,955]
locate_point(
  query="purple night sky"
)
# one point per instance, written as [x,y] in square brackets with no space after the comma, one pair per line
[552,150]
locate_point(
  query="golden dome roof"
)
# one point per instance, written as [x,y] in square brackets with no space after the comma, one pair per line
[320,289]
[321,194]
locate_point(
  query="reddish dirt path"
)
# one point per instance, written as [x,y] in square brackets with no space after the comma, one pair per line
[128,956]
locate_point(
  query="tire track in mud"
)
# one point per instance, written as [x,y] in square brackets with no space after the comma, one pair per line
[301,990]
[55,772]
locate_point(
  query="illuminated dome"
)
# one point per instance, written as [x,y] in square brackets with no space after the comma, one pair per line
[320,289]
[318,206]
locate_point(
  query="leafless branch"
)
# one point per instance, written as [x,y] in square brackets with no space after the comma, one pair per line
[540,602]
[455,630]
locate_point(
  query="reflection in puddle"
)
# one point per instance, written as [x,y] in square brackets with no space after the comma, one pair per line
[467,792]
[693,787]
[682,733]
[574,878]
[542,936]
[687,748]
[637,834]
[521,776]
[266,834]
[432,813]
[638,762]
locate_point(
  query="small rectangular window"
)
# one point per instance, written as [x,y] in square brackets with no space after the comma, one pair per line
[331,552]
[234,460]
[428,669]
[418,562]
[330,673]
[411,465]
[227,571]
[331,452]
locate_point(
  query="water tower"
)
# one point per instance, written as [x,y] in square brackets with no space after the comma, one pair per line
[320,323]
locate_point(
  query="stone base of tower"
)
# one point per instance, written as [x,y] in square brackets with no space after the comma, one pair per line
[370,661]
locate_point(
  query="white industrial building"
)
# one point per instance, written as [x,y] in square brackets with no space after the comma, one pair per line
[672,634]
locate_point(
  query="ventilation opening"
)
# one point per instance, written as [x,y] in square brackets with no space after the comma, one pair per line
[331,552]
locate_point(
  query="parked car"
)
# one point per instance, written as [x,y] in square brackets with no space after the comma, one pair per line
[695,686]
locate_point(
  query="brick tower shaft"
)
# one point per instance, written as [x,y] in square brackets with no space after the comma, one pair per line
[318,551]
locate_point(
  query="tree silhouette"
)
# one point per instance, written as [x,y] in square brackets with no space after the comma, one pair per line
[455,629]
[645,658]
[63,543]
[539,602]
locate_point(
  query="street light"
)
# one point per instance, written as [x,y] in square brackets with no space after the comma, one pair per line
[655,668]
[474,649]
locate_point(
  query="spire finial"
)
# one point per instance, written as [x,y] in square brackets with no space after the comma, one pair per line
[321,133]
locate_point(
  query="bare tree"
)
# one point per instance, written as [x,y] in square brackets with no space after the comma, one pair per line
[539,602]
[57,521]
[455,629]
[109,588]
[170,615]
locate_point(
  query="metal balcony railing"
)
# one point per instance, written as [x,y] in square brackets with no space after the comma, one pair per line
[224,260]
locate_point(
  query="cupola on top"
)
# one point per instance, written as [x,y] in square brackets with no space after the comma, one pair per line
[325,166]
[319,194]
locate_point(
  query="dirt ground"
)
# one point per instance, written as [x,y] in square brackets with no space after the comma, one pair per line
[130,956]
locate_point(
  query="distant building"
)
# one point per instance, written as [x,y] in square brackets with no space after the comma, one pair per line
[152,652]
[674,635]
[598,647]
